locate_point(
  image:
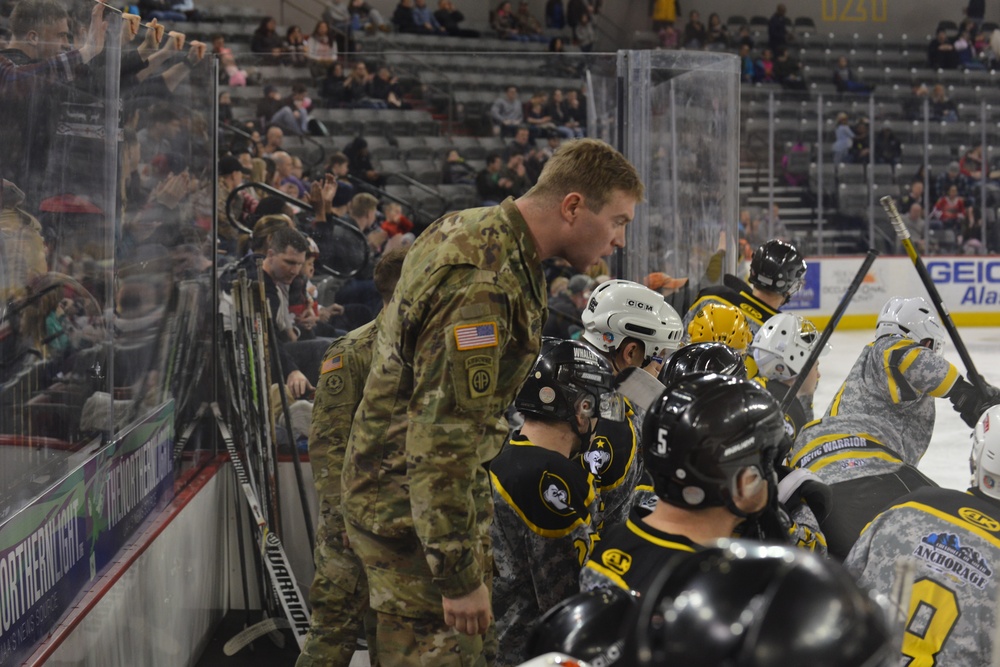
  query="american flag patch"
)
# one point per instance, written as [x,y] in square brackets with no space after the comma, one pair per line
[331,365]
[473,336]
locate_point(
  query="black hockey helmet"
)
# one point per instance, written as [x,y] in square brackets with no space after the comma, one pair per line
[588,626]
[703,431]
[566,373]
[708,357]
[746,604]
[777,266]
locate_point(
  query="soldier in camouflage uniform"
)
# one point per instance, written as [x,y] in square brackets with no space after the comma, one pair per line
[454,345]
[867,445]
[709,445]
[339,592]
[954,539]
[631,326]
[545,502]
[777,271]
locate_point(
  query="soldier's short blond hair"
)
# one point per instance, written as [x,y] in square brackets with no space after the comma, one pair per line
[592,168]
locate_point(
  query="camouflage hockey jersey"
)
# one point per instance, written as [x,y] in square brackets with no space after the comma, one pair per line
[541,533]
[630,555]
[615,461]
[338,393]
[882,415]
[461,333]
[954,537]
[736,293]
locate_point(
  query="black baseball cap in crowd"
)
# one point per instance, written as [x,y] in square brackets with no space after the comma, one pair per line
[229,165]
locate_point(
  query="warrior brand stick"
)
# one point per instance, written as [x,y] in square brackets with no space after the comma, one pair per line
[824,338]
[904,236]
[271,551]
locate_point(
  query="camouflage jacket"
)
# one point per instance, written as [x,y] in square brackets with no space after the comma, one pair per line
[454,346]
[882,415]
[542,531]
[338,393]
[954,538]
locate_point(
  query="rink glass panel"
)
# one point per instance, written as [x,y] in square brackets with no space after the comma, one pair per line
[106,249]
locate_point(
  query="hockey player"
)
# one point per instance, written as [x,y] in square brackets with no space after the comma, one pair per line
[777,271]
[739,605]
[709,444]
[631,326]
[703,358]
[718,323]
[339,592]
[867,445]
[545,502]
[953,537]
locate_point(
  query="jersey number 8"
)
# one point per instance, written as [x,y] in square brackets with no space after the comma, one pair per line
[933,613]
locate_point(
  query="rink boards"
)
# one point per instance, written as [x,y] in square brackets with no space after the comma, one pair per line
[968,285]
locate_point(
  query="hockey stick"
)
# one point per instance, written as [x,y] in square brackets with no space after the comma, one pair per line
[251,634]
[904,236]
[824,338]
[273,554]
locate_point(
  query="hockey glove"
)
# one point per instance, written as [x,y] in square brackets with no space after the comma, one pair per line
[799,486]
[968,403]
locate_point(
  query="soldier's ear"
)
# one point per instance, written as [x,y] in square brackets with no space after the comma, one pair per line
[571,206]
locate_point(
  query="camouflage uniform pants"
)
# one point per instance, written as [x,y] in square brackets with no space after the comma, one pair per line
[339,600]
[411,629]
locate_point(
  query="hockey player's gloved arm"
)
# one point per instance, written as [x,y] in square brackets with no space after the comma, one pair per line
[968,403]
[799,486]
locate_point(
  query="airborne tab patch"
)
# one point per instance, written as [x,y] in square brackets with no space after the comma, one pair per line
[332,364]
[475,336]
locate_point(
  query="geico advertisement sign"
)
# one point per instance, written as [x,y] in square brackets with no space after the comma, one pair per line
[967,282]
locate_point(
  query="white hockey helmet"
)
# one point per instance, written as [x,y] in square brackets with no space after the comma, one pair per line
[985,458]
[911,318]
[622,308]
[782,345]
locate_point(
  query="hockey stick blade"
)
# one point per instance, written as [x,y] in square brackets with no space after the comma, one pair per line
[249,635]
[895,218]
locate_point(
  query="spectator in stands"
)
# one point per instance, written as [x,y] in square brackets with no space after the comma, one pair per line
[537,117]
[971,166]
[942,108]
[339,166]
[456,171]
[321,50]
[917,225]
[717,38]
[507,113]
[941,53]
[951,177]
[219,47]
[577,111]
[338,15]
[402,18]
[231,174]
[748,70]
[950,209]
[843,78]
[424,17]
[367,18]
[669,37]
[363,213]
[293,114]
[332,87]
[970,234]
[358,88]
[295,47]
[844,138]
[695,33]
[273,138]
[764,68]
[232,74]
[360,163]
[915,195]
[861,146]
[778,36]
[968,58]
[395,222]
[523,144]
[385,87]
[265,39]
[555,15]
[527,24]
[559,111]
[575,11]
[451,19]
[913,106]
[788,71]
[268,105]
[566,306]
[585,33]
[515,172]
[887,147]
[491,186]
[285,180]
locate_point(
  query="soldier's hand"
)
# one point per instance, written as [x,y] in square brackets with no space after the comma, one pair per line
[469,614]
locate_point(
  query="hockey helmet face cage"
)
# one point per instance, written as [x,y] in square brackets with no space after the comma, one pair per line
[620,309]
[721,324]
[777,266]
[911,318]
[587,626]
[985,459]
[703,358]
[782,345]
[568,379]
[754,605]
[703,432]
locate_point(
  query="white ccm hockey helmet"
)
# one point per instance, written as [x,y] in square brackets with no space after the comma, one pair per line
[985,458]
[782,345]
[911,318]
[622,308]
